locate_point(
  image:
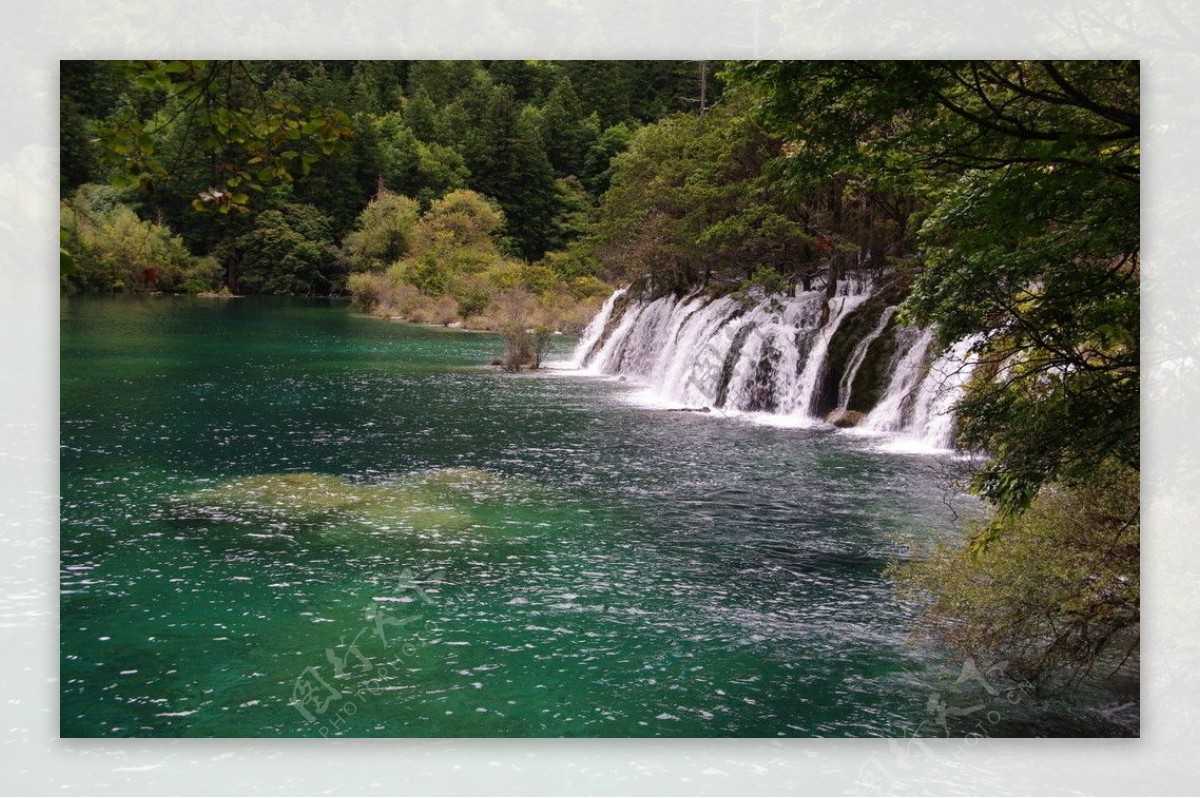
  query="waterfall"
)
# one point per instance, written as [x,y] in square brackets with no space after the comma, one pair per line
[771,348]
[907,369]
[858,356]
[769,356]
[919,402]
[933,418]
[598,361]
[591,334]
[815,362]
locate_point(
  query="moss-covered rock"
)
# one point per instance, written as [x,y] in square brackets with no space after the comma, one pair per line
[731,359]
[873,376]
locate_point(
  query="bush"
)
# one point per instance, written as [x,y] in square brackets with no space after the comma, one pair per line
[383,233]
[202,276]
[1053,593]
[588,287]
[110,249]
[523,348]
[456,272]
[368,290]
[472,295]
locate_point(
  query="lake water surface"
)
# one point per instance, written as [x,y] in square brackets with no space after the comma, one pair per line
[280,518]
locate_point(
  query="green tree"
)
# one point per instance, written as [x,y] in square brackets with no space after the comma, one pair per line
[375,87]
[424,120]
[89,91]
[597,160]
[604,87]
[461,221]
[111,250]
[530,80]
[414,167]
[383,233]
[289,251]
[565,130]
[693,203]
[508,163]
[248,139]
[576,214]
[443,81]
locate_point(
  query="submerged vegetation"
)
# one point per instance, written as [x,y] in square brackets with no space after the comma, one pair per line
[992,202]
[425,502]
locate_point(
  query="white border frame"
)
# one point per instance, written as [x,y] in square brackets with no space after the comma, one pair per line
[1163,33]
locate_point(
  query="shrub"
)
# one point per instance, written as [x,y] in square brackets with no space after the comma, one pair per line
[588,287]
[383,233]
[472,294]
[111,250]
[456,271]
[368,290]
[1053,592]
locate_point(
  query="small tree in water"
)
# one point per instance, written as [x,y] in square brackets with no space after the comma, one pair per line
[524,347]
[524,328]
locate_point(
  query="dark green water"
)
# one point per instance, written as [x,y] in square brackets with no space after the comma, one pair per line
[251,487]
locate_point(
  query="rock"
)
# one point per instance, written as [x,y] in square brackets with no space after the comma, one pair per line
[846,418]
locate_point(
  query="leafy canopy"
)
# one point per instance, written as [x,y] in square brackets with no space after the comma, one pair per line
[226,113]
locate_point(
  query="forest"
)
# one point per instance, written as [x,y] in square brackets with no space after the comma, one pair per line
[438,191]
[990,200]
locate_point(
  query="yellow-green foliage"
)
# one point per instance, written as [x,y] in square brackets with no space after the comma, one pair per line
[461,221]
[455,271]
[1053,592]
[111,249]
[383,233]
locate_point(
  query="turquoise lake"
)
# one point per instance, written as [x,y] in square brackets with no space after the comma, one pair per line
[281,518]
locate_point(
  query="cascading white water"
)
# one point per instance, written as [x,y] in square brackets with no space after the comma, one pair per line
[933,417]
[769,357]
[858,356]
[599,362]
[918,405]
[893,408]
[776,332]
[693,363]
[591,334]
[816,356]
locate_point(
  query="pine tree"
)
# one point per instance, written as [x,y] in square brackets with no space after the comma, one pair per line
[508,163]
